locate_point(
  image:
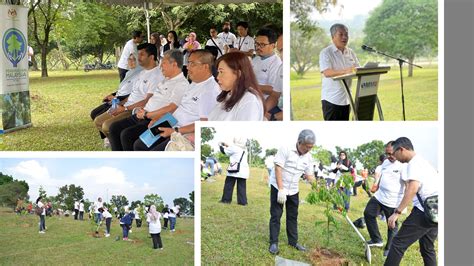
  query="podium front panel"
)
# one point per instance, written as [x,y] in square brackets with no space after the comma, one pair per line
[366,107]
[366,96]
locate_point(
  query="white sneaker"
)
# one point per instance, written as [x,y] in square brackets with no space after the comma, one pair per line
[130,231]
[41,232]
[107,235]
[106,143]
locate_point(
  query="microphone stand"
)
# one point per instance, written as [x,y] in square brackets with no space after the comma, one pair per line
[400,63]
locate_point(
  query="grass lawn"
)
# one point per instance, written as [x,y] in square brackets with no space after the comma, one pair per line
[234,234]
[421,95]
[70,242]
[60,111]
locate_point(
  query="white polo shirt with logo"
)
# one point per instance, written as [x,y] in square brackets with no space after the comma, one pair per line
[227,38]
[420,170]
[266,70]
[217,42]
[168,91]
[332,58]
[294,165]
[249,108]
[146,83]
[392,183]
[129,48]
[197,102]
[244,44]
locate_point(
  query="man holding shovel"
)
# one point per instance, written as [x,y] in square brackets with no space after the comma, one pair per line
[290,163]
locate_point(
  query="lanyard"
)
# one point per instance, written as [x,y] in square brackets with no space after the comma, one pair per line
[241,41]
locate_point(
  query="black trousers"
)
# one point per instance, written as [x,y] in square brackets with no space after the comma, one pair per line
[81,215]
[276,211]
[165,225]
[335,112]
[156,241]
[160,145]
[108,221]
[364,186]
[122,73]
[139,222]
[229,189]
[123,133]
[414,228]
[76,212]
[371,212]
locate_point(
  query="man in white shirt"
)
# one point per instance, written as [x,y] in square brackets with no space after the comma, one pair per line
[81,210]
[216,41]
[97,214]
[172,217]
[76,209]
[196,104]
[266,63]
[386,198]
[290,163]
[226,36]
[142,90]
[244,43]
[335,60]
[129,48]
[422,179]
[274,102]
[166,97]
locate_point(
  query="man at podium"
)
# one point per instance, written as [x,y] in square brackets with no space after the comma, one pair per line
[334,60]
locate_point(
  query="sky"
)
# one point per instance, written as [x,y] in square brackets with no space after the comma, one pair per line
[423,135]
[348,9]
[170,178]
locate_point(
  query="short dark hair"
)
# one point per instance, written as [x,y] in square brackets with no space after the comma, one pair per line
[382,157]
[269,33]
[403,142]
[243,24]
[390,143]
[149,48]
[136,33]
[205,56]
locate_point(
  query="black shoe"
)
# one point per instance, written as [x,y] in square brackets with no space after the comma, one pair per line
[385,253]
[375,244]
[273,249]
[299,247]
[225,202]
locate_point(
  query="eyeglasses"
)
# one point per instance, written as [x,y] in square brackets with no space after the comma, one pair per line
[193,63]
[263,45]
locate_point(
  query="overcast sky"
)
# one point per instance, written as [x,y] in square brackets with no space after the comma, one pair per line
[424,135]
[347,9]
[133,177]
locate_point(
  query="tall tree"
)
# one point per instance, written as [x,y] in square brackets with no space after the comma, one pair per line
[68,194]
[322,155]
[305,48]
[42,192]
[184,204]
[207,134]
[119,201]
[11,192]
[5,179]
[153,199]
[368,153]
[254,149]
[135,203]
[269,152]
[407,28]
[42,17]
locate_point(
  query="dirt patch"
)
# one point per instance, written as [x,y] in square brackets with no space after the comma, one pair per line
[178,232]
[325,257]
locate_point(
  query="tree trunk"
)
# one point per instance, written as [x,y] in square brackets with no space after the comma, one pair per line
[410,67]
[44,66]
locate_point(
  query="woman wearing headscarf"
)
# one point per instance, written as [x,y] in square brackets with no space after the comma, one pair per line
[238,171]
[191,45]
[154,227]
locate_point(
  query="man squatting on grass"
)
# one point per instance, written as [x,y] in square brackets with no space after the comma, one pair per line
[290,163]
[423,179]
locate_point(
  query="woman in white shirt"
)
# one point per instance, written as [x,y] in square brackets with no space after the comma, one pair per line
[241,98]
[237,155]
[154,227]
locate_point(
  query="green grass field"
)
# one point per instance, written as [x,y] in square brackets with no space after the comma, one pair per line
[234,234]
[70,242]
[60,111]
[421,95]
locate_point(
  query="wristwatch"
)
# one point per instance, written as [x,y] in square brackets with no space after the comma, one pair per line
[126,108]
[397,211]
[176,129]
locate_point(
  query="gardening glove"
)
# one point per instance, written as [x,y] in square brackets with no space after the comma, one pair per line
[282,196]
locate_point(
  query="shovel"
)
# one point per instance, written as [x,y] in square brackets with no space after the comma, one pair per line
[368,254]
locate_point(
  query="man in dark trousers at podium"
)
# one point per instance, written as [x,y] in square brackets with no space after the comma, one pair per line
[335,60]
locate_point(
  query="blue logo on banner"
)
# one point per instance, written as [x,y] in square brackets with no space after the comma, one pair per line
[14,45]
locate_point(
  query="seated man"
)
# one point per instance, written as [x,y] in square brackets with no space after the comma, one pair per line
[197,102]
[123,91]
[166,98]
[142,89]
[274,102]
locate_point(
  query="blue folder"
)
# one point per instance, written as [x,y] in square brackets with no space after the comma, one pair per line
[148,138]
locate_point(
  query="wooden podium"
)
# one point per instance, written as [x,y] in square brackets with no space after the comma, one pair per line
[363,105]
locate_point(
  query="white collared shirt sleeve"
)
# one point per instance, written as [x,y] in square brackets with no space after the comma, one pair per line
[324,60]
[207,102]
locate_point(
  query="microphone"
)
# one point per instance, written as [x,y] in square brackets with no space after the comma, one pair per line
[367,48]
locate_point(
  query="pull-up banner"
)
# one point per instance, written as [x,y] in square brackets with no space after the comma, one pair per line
[14,92]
